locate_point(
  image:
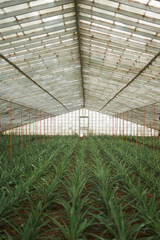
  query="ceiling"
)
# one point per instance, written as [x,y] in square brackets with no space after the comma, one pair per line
[58,56]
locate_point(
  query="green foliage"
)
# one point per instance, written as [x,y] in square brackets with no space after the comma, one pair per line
[71,188]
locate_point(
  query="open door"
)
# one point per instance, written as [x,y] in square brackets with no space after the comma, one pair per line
[83,126]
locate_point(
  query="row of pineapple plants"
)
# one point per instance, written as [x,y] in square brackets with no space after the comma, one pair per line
[29,185]
[139,188]
[68,188]
[152,141]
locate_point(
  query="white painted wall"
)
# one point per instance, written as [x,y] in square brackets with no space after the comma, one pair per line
[69,124]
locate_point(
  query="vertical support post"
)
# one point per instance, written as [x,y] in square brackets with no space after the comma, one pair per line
[92,122]
[98,124]
[47,126]
[58,125]
[21,130]
[109,130]
[98,120]
[144,128]
[127,128]
[35,125]
[5,131]
[54,121]
[100,129]
[120,126]
[116,127]
[103,124]
[88,125]
[112,126]
[40,125]
[88,122]
[10,130]
[71,120]
[123,128]
[60,118]
[44,126]
[131,125]
[106,131]
[50,121]
[137,130]
[154,136]
[95,122]
[29,127]
[76,121]
[68,123]
[53,126]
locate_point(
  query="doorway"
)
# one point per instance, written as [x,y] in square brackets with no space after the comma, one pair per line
[83,126]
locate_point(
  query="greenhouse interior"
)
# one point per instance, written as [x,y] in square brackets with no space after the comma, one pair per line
[79,119]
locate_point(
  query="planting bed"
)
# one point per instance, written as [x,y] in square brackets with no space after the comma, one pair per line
[148,141]
[72,188]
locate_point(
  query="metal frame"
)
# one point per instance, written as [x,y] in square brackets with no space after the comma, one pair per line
[61,56]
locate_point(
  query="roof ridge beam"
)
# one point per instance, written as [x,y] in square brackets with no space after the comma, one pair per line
[79,43]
